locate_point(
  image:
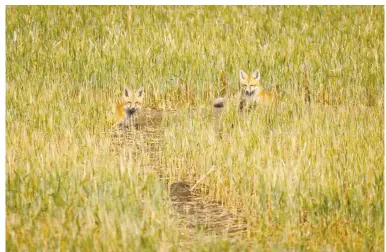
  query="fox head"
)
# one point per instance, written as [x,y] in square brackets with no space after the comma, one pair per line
[131,102]
[250,84]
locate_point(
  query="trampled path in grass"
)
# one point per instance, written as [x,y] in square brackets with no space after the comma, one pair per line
[194,211]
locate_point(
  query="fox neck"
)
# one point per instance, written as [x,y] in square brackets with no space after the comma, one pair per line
[119,112]
[260,92]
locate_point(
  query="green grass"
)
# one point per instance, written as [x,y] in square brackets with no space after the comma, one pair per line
[304,177]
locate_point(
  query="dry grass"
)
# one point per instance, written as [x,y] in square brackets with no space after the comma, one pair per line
[299,176]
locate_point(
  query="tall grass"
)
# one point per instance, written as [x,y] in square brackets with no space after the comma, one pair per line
[302,176]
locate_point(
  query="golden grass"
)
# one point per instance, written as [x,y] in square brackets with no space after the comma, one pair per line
[300,176]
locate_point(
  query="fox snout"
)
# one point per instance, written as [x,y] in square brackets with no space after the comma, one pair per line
[131,110]
[249,92]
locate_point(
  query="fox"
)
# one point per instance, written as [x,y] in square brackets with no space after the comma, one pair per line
[129,106]
[251,92]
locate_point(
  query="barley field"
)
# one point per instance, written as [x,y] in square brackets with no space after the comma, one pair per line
[294,176]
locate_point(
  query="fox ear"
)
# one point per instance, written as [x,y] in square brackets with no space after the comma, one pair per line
[126,92]
[256,75]
[140,92]
[243,75]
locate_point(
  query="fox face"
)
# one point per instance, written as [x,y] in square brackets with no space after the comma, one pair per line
[131,103]
[250,85]
[133,100]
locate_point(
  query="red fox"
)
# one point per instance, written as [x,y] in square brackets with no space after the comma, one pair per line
[251,93]
[129,105]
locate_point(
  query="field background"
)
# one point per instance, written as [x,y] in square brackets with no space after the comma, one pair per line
[302,176]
